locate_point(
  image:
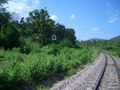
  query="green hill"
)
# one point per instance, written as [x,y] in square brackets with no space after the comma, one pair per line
[97,39]
[115,38]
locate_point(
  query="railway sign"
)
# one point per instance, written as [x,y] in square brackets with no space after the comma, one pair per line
[54,37]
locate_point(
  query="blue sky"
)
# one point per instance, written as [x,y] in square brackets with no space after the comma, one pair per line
[89,18]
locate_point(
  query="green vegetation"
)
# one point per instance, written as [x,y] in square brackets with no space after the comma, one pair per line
[112,45]
[40,64]
[30,56]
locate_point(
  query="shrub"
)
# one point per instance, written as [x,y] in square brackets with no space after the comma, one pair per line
[53,49]
[9,36]
[10,78]
[66,43]
[25,45]
[42,63]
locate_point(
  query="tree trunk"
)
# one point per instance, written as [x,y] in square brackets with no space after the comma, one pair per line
[41,39]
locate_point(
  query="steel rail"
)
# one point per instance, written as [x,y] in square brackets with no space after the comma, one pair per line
[103,70]
[101,74]
[116,66]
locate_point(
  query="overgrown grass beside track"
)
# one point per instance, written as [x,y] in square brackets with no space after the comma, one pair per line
[41,64]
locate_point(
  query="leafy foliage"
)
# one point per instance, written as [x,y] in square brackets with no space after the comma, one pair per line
[38,66]
[9,36]
[28,55]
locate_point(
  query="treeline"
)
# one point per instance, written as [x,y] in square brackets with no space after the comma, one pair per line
[112,46]
[37,25]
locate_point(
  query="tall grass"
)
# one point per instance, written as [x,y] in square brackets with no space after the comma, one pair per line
[40,64]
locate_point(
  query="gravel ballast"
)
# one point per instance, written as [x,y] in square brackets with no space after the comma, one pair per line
[84,79]
[110,80]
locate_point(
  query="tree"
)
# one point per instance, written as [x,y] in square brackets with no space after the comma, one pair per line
[60,31]
[64,34]
[4,17]
[1,5]
[70,35]
[118,44]
[3,1]
[41,24]
[9,36]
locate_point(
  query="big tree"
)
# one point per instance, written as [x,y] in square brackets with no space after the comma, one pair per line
[4,15]
[9,33]
[41,25]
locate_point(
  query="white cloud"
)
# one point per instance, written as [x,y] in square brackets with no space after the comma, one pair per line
[95,29]
[22,7]
[72,17]
[113,18]
[113,14]
[53,17]
[18,7]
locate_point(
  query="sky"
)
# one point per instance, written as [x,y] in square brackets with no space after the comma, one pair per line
[89,18]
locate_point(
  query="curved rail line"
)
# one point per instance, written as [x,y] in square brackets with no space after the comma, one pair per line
[116,66]
[101,74]
[103,70]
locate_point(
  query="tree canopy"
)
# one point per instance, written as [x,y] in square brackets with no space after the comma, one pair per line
[37,25]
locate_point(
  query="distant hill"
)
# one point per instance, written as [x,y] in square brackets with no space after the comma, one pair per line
[96,39]
[112,39]
[115,38]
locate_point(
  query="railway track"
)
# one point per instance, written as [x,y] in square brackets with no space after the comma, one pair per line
[102,74]
[109,78]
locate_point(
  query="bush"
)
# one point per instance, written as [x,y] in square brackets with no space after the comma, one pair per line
[109,48]
[10,78]
[53,49]
[9,36]
[42,63]
[66,43]
[25,45]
